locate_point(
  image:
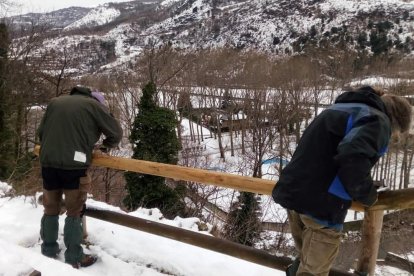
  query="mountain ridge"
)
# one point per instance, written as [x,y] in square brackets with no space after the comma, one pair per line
[274,27]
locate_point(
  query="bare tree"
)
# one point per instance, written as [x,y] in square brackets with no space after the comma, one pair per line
[56,68]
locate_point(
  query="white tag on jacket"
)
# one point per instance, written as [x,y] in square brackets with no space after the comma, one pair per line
[80,157]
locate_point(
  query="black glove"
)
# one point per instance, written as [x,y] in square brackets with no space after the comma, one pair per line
[380,185]
[371,198]
[104,149]
[101,148]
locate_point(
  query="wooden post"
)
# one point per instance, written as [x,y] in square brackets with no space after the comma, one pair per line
[371,236]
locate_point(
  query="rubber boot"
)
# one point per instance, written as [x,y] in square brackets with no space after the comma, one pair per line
[293,268]
[49,228]
[73,234]
[86,261]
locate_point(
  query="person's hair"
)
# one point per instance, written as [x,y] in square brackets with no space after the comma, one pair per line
[399,111]
[371,89]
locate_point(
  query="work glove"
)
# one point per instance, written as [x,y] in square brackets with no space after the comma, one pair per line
[104,149]
[101,149]
[380,185]
[371,198]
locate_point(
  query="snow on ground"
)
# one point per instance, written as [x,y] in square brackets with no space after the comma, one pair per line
[121,250]
[168,3]
[379,81]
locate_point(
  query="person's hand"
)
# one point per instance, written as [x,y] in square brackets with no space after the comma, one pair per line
[101,149]
[380,185]
[371,198]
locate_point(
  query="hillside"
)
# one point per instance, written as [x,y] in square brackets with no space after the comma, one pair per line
[119,31]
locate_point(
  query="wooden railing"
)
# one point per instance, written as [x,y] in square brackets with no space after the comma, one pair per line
[371,229]
[387,200]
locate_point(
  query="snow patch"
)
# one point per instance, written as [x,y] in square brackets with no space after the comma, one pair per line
[96,17]
[5,189]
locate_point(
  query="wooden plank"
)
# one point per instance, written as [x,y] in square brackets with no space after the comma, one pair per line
[190,237]
[226,180]
[388,200]
[399,262]
[395,200]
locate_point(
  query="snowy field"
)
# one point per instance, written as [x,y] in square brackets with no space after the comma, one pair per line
[122,251]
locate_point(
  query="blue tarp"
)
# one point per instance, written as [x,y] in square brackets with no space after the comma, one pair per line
[276,160]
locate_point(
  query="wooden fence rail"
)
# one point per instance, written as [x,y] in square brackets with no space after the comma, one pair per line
[208,242]
[388,200]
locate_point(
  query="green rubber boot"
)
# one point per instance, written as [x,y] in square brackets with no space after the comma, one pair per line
[293,268]
[73,236]
[49,228]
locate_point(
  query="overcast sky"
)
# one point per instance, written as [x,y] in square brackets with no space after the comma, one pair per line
[26,6]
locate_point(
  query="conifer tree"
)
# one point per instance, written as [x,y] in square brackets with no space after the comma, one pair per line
[6,133]
[243,225]
[154,138]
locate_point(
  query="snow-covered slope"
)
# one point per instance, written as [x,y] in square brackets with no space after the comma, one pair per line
[277,27]
[168,3]
[55,19]
[122,251]
[98,16]
[282,26]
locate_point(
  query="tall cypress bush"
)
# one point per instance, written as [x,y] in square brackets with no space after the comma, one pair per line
[154,138]
[243,224]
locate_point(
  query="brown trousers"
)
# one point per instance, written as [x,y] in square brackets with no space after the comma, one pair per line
[74,199]
[316,245]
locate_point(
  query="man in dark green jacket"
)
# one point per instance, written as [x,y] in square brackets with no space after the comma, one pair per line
[331,167]
[69,129]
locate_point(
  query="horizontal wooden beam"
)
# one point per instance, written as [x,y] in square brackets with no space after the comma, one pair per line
[388,200]
[225,180]
[226,247]
[395,200]
[176,172]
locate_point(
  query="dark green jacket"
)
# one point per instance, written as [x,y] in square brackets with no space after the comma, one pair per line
[71,126]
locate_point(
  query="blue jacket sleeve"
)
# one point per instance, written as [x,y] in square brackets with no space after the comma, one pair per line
[357,153]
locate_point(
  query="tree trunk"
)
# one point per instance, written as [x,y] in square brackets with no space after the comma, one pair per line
[407,173]
[231,136]
[219,139]
[107,186]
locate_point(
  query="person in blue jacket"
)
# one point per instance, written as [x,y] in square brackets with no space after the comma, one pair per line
[331,168]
